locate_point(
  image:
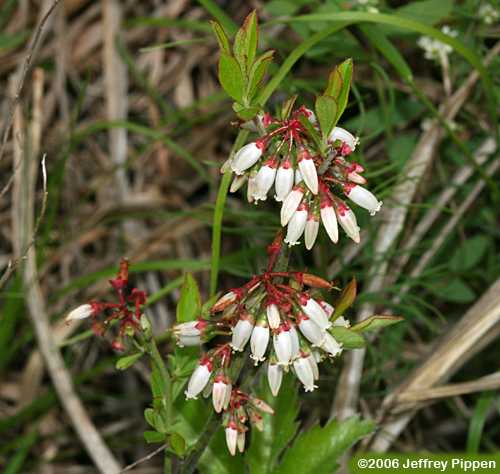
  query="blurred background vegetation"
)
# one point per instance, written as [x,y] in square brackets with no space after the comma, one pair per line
[122,97]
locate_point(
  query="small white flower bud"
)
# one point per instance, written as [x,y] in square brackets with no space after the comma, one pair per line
[330,345]
[311,331]
[241,334]
[348,222]
[247,156]
[296,225]
[315,312]
[231,437]
[329,220]
[274,377]
[311,231]
[284,180]
[363,198]
[304,372]
[221,393]
[81,312]
[199,379]
[283,345]
[273,316]
[344,136]
[290,204]
[308,170]
[259,342]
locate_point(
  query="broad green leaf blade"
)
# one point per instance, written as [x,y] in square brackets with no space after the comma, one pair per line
[469,253]
[231,77]
[348,338]
[376,322]
[279,429]
[345,300]
[455,290]
[222,38]
[189,305]
[245,42]
[125,362]
[318,450]
[326,111]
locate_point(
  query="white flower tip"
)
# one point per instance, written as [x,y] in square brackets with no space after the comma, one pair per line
[376,209]
[190,396]
[81,312]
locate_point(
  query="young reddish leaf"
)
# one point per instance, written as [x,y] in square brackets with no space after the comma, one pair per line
[287,107]
[339,85]
[231,77]
[222,38]
[348,338]
[376,322]
[326,111]
[245,42]
[257,72]
[346,299]
[335,83]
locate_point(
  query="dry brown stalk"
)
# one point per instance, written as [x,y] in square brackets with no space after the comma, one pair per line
[24,227]
[478,327]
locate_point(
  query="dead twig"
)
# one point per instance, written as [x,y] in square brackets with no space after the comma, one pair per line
[30,53]
[144,459]
[478,328]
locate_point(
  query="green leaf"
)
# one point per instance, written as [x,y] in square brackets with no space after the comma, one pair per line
[257,72]
[231,77]
[339,85]
[348,338]
[125,362]
[469,253]
[326,111]
[189,305]
[345,300]
[158,385]
[311,130]
[478,420]
[177,443]
[428,12]
[455,290]
[379,40]
[376,322]
[245,113]
[149,416]
[317,450]
[279,429]
[245,42]
[154,437]
[222,38]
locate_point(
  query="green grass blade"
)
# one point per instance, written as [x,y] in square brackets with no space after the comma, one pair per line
[220,15]
[477,422]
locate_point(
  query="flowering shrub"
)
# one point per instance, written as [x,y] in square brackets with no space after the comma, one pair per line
[286,321]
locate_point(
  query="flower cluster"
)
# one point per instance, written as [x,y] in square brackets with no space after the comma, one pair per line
[434,49]
[213,372]
[309,179]
[488,13]
[277,317]
[127,311]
